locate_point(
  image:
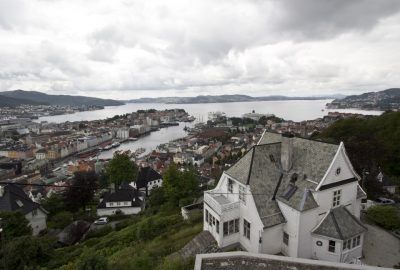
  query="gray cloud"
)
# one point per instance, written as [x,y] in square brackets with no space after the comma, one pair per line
[325,19]
[151,48]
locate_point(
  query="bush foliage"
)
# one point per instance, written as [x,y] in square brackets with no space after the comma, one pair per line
[385,216]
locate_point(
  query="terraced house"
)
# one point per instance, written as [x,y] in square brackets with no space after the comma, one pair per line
[290,196]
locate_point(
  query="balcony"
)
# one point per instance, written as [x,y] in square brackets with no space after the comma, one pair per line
[219,203]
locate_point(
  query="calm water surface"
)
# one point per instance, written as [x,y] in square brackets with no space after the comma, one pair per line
[296,110]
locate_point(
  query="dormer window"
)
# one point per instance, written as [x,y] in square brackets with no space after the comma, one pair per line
[230,185]
[336,197]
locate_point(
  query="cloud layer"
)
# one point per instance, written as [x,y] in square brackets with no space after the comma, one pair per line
[130,49]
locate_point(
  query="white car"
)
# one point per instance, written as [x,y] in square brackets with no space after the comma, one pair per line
[101,221]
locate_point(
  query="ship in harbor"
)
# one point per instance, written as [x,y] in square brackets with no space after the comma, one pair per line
[88,153]
[115,144]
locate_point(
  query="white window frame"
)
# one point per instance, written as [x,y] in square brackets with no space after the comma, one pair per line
[246,229]
[330,246]
[230,227]
[242,194]
[286,238]
[352,243]
[230,185]
[337,194]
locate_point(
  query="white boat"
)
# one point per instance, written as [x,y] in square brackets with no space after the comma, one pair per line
[107,147]
[116,144]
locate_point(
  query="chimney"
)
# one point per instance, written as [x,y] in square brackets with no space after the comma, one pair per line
[286,152]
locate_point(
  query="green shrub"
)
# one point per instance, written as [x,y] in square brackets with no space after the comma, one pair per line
[123,224]
[99,232]
[60,220]
[154,226]
[93,262]
[385,216]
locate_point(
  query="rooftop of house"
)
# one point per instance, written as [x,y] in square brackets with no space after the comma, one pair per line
[145,175]
[340,224]
[13,198]
[239,260]
[261,168]
[124,193]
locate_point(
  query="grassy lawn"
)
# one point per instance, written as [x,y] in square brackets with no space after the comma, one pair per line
[143,244]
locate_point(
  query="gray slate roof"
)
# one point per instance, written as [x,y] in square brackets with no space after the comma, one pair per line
[125,193]
[257,170]
[15,199]
[340,224]
[310,161]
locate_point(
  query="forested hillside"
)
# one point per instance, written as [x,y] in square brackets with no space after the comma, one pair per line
[371,143]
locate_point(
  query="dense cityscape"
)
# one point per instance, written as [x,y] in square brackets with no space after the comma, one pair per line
[199,135]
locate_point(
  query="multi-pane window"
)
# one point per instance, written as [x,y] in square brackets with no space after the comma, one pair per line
[352,242]
[217,227]
[231,227]
[285,238]
[331,246]
[336,197]
[246,229]
[230,185]
[242,194]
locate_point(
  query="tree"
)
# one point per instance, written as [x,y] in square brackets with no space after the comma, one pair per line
[27,252]
[14,224]
[157,197]
[179,186]
[121,168]
[82,190]
[54,204]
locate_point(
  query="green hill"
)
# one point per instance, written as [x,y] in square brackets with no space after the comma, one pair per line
[13,102]
[372,143]
[35,96]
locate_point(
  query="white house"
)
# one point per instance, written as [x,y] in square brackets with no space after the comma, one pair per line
[124,199]
[13,198]
[289,195]
[147,179]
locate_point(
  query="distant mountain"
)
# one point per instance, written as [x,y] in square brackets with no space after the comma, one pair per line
[219,99]
[13,102]
[34,96]
[388,99]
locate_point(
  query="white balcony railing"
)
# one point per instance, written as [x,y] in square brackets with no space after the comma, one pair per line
[219,203]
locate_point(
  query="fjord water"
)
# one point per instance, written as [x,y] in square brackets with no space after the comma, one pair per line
[296,110]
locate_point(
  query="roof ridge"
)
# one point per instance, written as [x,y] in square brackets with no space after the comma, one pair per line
[336,224]
[251,165]
[354,218]
[303,199]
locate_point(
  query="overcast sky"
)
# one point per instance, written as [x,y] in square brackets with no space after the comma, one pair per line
[131,49]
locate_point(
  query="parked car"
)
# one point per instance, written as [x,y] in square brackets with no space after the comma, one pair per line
[385,201]
[101,221]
